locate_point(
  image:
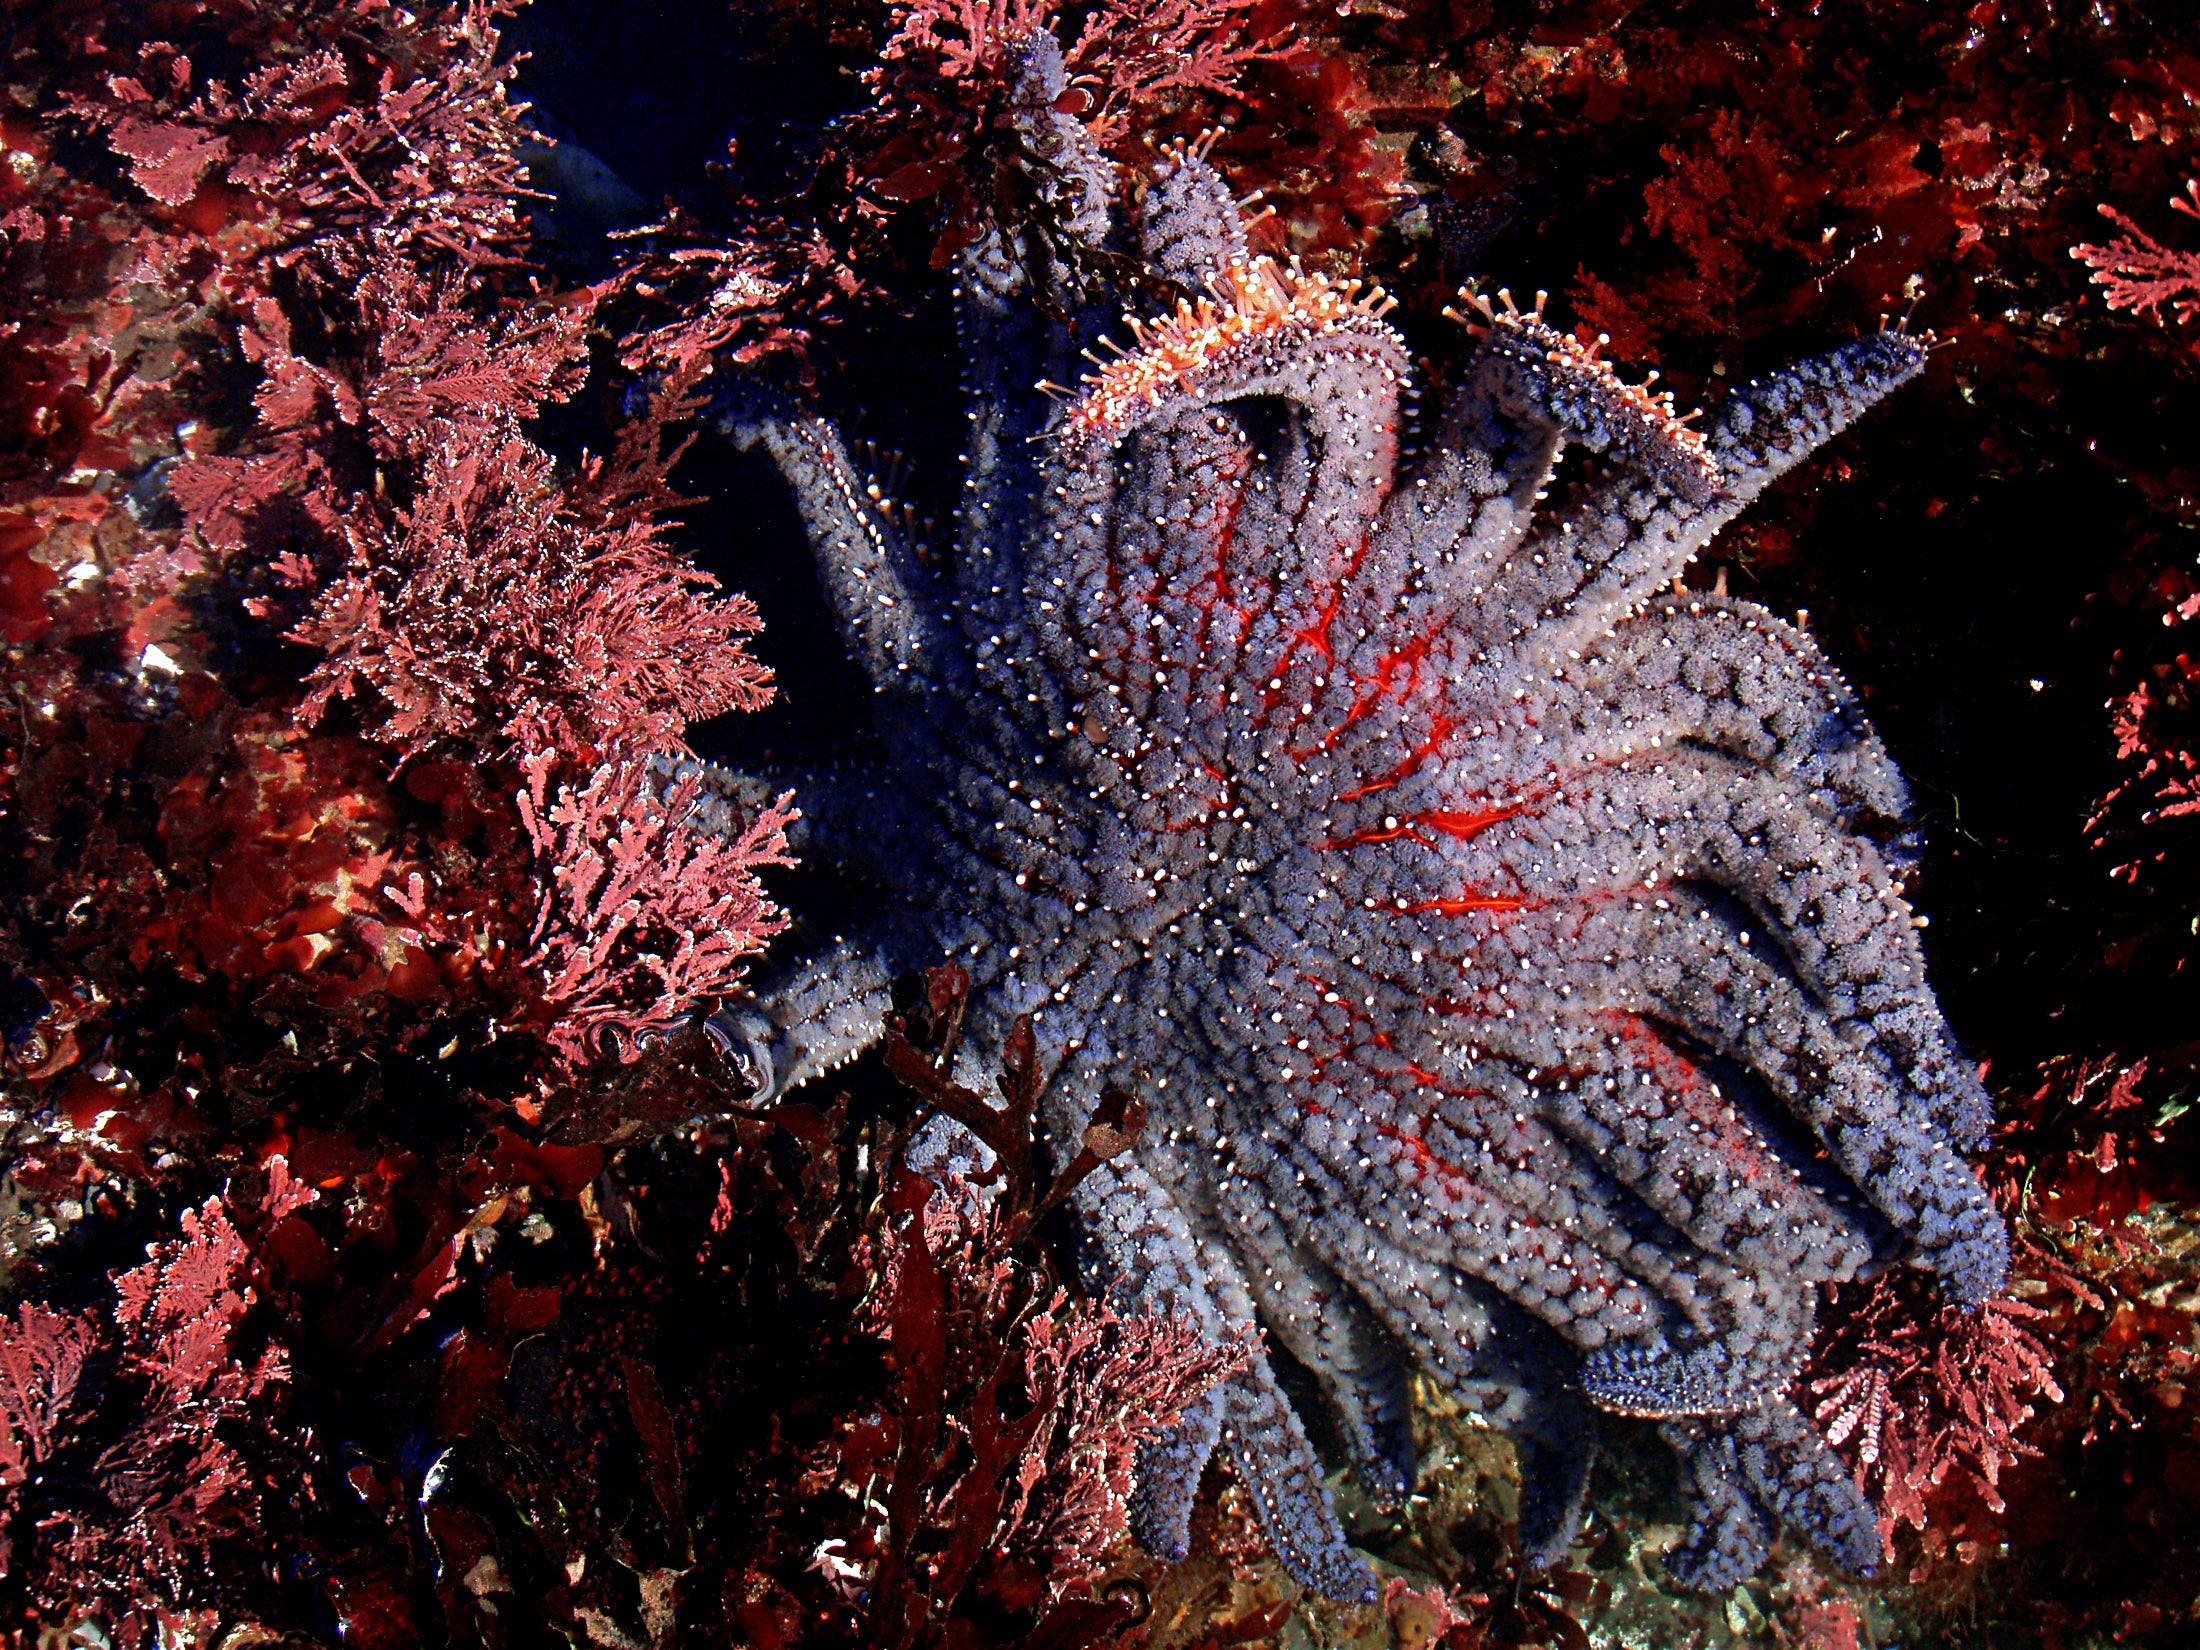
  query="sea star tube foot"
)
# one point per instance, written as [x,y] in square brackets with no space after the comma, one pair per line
[1495,931]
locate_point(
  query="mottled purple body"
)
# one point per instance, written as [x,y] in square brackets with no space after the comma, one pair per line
[1493,930]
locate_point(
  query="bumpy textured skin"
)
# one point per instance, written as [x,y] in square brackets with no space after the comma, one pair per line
[1490,927]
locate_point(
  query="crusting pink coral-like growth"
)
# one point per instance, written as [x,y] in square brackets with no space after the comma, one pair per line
[503,608]
[1127,53]
[1057,1399]
[640,912]
[120,1431]
[382,499]
[2138,272]
[1115,1381]
[1913,1397]
[939,130]
[42,1357]
[420,169]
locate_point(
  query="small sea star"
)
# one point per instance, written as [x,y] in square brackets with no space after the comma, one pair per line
[1487,921]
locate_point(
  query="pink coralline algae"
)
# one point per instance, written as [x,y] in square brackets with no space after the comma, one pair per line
[2138,273]
[640,913]
[128,1434]
[1931,1403]
[1496,934]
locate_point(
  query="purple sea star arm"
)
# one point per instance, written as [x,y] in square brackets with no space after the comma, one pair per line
[1537,376]
[1316,346]
[1771,1463]
[1452,532]
[1506,1368]
[880,594]
[1626,540]
[1169,1470]
[1147,1259]
[1189,227]
[1282,1474]
[1328,1327]
[998,338]
[1470,500]
[1729,1536]
[1078,183]
[1337,1175]
[1715,671]
[809,1018]
[805,1017]
[1161,1264]
[1793,1472]
[1491,1193]
[1558,1449]
[1604,829]
[1831,953]
[1510,1371]
[1484,1351]
[1801,1003]
[1008,346]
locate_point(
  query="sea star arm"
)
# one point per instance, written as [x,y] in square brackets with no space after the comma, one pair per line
[1169,1471]
[880,594]
[1515,1375]
[1693,1163]
[1846,933]
[1520,996]
[852,813]
[1488,1191]
[1315,345]
[1268,1444]
[1540,377]
[1189,227]
[1853,1097]
[1329,1328]
[807,1017]
[1729,1535]
[1159,1262]
[1717,671]
[1619,833]
[1626,539]
[1676,1141]
[1771,1462]
[1836,917]
[1790,983]
[1489,1354]
[1556,1439]
[1791,1468]
[1760,1327]
[1452,530]
[1147,1258]
[1009,342]
[1469,499]
[810,1017]
[1365,1191]
[1136,610]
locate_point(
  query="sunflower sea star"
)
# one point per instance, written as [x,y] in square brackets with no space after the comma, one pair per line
[1486,920]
